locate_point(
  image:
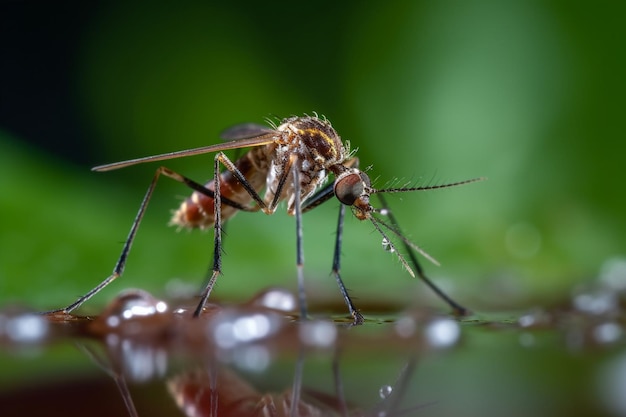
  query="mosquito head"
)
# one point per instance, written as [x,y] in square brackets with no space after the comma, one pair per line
[353,188]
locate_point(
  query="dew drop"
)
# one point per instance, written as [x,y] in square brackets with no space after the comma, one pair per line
[442,332]
[131,305]
[606,333]
[596,302]
[253,358]
[318,333]
[276,299]
[613,274]
[385,391]
[534,318]
[233,328]
[387,245]
[23,328]
[140,362]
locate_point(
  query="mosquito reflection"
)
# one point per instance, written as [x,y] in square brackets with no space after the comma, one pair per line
[243,376]
[227,393]
[112,370]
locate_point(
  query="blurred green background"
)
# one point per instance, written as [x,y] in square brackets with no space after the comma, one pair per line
[528,94]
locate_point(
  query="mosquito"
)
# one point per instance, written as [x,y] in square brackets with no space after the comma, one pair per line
[293,162]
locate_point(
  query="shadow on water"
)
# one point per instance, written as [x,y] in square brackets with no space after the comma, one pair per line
[141,356]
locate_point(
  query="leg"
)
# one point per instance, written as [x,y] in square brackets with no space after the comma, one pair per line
[296,387]
[119,266]
[459,310]
[342,406]
[121,262]
[217,241]
[316,200]
[319,198]
[217,248]
[358,318]
[299,249]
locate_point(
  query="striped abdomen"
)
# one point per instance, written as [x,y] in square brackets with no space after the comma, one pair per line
[197,211]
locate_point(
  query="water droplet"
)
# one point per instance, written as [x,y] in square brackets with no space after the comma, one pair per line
[23,327]
[607,332]
[254,358]
[131,305]
[182,311]
[318,333]
[534,318]
[385,391]
[596,302]
[613,274]
[276,299]
[231,328]
[140,362]
[442,332]
[388,246]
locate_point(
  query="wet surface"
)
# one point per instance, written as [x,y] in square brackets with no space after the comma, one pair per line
[144,356]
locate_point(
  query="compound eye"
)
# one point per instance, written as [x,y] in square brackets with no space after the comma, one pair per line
[349,188]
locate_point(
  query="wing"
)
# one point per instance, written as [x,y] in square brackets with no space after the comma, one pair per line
[245,131]
[236,142]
